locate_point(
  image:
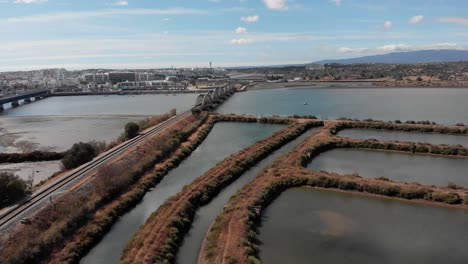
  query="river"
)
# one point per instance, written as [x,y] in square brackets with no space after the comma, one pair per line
[445,106]
[224,140]
[56,123]
[312,226]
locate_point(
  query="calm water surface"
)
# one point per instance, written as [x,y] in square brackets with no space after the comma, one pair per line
[188,253]
[58,133]
[105,105]
[311,226]
[56,123]
[385,135]
[224,140]
[446,106]
[402,167]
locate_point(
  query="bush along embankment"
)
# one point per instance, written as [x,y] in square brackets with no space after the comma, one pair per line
[59,221]
[159,239]
[90,234]
[253,119]
[409,127]
[34,156]
[422,148]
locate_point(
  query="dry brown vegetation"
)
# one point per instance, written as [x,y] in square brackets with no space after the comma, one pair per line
[56,223]
[159,239]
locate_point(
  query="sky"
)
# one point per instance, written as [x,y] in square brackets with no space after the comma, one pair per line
[190,33]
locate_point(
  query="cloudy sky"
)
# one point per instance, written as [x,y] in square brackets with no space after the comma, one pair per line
[162,33]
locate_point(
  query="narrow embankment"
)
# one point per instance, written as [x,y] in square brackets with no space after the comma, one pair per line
[190,248]
[159,239]
[217,145]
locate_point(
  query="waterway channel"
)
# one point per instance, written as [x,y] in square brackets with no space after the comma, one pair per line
[224,140]
[189,251]
[401,167]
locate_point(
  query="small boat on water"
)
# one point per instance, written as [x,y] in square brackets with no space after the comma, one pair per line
[306,103]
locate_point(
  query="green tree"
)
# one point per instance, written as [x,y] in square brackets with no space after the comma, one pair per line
[131,130]
[79,154]
[12,188]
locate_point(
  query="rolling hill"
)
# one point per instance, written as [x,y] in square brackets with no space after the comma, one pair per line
[421,56]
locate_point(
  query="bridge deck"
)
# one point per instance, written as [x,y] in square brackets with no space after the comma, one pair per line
[22,96]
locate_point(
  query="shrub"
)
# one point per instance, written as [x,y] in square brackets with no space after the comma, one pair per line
[79,154]
[131,130]
[12,188]
[450,198]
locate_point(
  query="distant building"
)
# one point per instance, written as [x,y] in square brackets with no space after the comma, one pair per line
[117,77]
[172,78]
[314,66]
[275,77]
[151,85]
[89,78]
[101,78]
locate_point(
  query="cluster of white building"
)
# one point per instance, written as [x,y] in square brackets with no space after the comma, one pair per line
[99,80]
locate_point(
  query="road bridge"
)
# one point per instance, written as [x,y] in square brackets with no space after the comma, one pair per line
[14,100]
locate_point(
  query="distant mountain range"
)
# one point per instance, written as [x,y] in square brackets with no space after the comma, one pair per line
[421,56]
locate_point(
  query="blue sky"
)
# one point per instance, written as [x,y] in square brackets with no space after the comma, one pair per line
[188,33]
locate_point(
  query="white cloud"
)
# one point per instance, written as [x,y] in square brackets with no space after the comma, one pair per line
[241,41]
[416,19]
[29,1]
[121,3]
[454,20]
[250,19]
[276,4]
[241,30]
[53,17]
[388,24]
[337,2]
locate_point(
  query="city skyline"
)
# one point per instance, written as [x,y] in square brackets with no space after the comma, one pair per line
[144,34]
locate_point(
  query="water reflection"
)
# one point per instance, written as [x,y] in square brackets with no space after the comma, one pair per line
[312,226]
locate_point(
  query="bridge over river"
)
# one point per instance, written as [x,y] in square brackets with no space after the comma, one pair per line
[14,100]
[207,99]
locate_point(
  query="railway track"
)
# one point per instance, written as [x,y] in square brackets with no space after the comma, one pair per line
[84,170]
